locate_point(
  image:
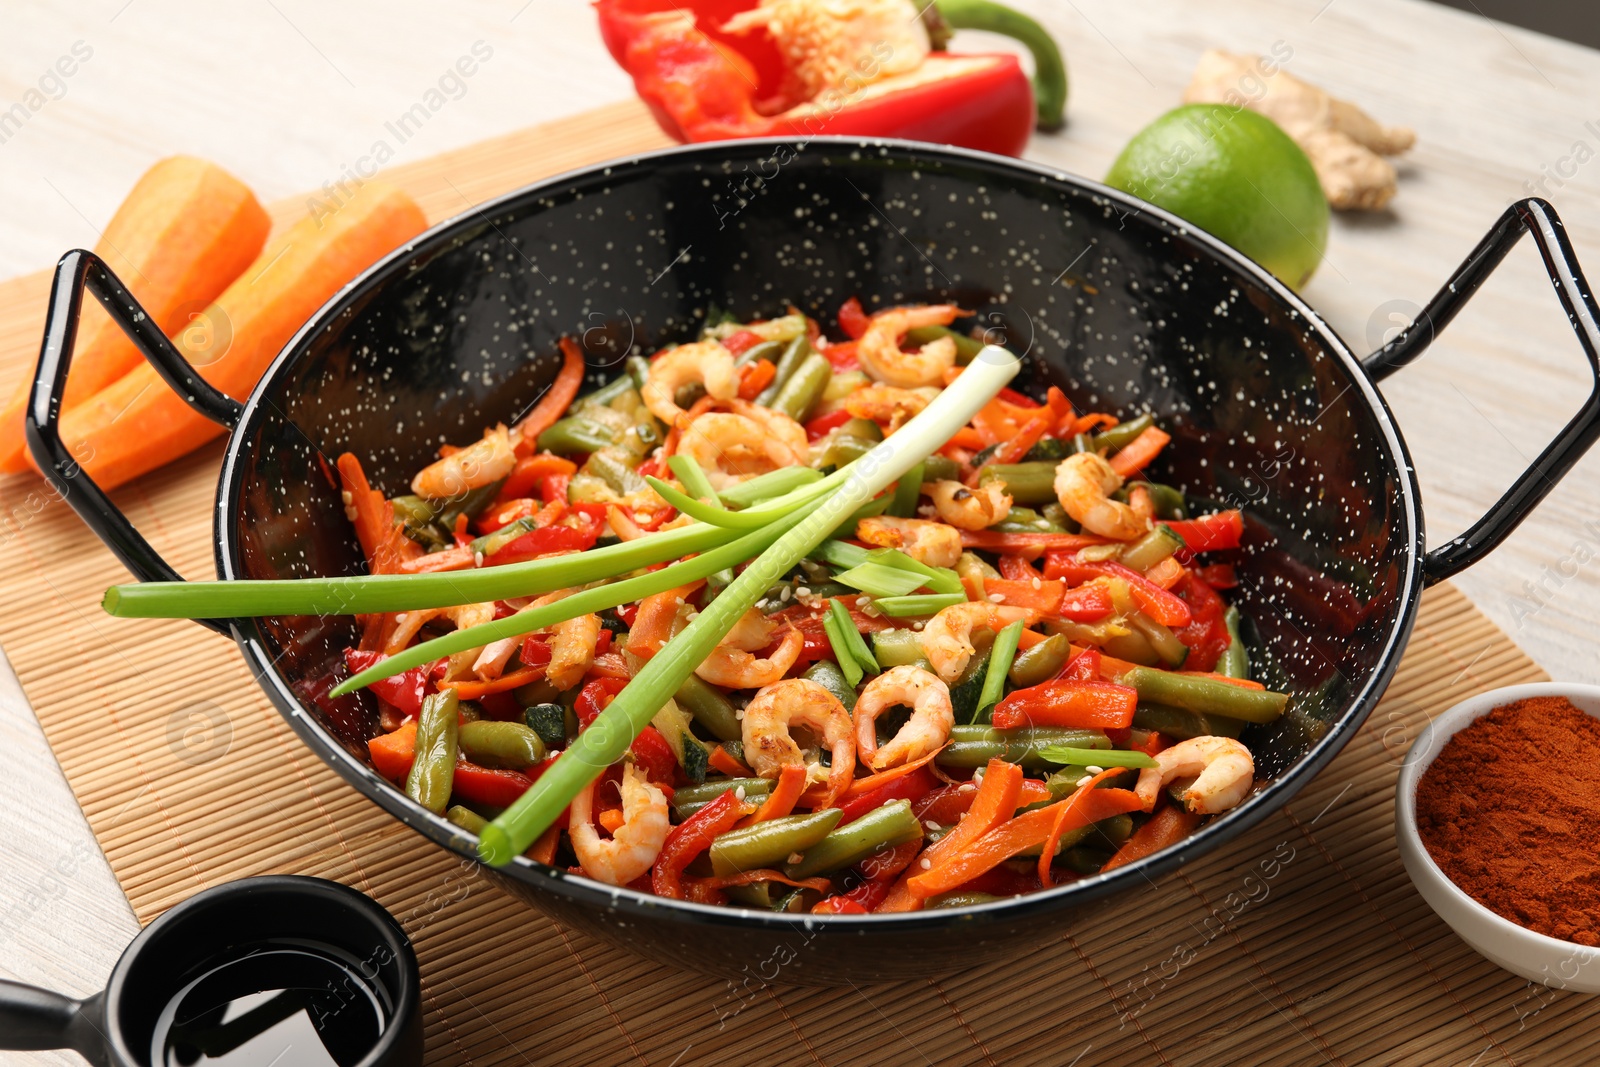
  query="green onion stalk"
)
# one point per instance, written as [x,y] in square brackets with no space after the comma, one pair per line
[609,736]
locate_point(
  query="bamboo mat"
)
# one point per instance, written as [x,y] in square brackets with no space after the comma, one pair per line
[1301,943]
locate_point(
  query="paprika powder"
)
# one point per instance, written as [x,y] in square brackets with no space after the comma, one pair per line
[1510,811]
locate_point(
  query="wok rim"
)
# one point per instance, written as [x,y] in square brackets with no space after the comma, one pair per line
[581,890]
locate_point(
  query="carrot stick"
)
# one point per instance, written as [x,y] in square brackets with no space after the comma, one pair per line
[784,796]
[544,850]
[722,760]
[382,538]
[652,627]
[554,403]
[995,803]
[1166,827]
[187,229]
[863,786]
[138,423]
[474,690]
[1048,855]
[1138,453]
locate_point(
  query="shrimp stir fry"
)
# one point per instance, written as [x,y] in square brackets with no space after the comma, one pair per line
[936,673]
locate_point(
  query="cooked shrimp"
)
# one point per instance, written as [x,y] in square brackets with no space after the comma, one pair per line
[769,745]
[790,433]
[885,403]
[925,541]
[926,731]
[1221,770]
[971,508]
[752,632]
[633,846]
[947,639]
[881,356]
[572,650]
[473,467]
[731,448]
[704,362]
[736,668]
[1084,484]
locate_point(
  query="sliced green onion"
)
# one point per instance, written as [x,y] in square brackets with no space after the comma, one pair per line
[841,554]
[852,638]
[878,579]
[693,478]
[717,515]
[764,487]
[1001,653]
[939,579]
[581,603]
[906,492]
[841,649]
[369,594]
[1096,757]
[609,736]
[901,607]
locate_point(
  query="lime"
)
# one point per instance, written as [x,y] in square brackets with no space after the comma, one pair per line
[1236,175]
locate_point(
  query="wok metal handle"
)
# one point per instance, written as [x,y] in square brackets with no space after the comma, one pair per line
[33,1019]
[1537,217]
[77,271]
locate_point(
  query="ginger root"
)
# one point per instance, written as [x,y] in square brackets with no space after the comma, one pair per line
[1345,144]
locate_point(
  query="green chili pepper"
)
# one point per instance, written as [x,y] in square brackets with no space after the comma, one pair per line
[1040,663]
[501,744]
[1206,695]
[710,708]
[830,677]
[1085,860]
[1121,435]
[879,829]
[801,392]
[843,449]
[768,843]
[1235,662]
[1181,724]
[975,746]
[1028,483]
[433,770]
[466,818]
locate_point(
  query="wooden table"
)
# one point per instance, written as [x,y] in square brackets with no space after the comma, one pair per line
[286,93]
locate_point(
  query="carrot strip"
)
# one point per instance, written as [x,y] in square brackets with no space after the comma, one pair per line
[863,786]
[139,423]
[995,803]
[1028,638]
[1138,454]
[554,403]
[784,796]
[1048,854]
[1027,436]
[383,541]
[392,753]
[544,850]
[474,690]
[652,626]
[1166,827]
[754,377]
[1168,573]
[722,760]
[611,819]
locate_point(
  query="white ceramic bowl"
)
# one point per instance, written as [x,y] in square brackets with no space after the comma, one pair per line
[1555,963]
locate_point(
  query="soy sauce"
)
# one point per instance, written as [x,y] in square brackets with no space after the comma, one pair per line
[276,1004]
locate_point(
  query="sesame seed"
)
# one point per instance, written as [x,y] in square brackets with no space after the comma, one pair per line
[930,824]
[477,559]
[998,598]
[802,590]
[348,497]
[795,857]
[926,864]
[738,793]
[967,787]
[863,601]
[400,619]
[1085,780]
[1037,583]
[786,594]
[1091,769]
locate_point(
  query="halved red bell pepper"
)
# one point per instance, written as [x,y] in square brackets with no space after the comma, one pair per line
[713,69]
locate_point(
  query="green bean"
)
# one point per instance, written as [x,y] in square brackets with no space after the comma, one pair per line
[710,708]
[771,842]
[975,746]
[830,677]
[501,744]
[1051,449]
[638,371]
[937,468]
[794,355]
[1001,656]
[771,351]
[1131,645]
[413,510]
[966,347]
[1057,514]
[1152,548]
[1040,663]
[434,767]
[961,900]
[1166,644]
[691,798]
[1085,860]
[879,829]
[466,818]
[1181,724]
[1206,695]
[577,434]
[1028,483]
[1026,520]
[607,392]
[469,503]
[1121,435]
[1235,662]
[896,648]
[801,392]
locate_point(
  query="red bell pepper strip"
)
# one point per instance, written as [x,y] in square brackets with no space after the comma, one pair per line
[1156,602]
[822,425]
[842,356]
[947,804]
[1013,449]
[1210,533]
[853,320]
[704,82]
[741,341]
[1166,827]
[1087,603]
[1084,667]
[1038,594]
[911,787]
[654,756]
[879,873]
[690,838]
[488,786]
[1079,705]
[404,691]
[530,472]
[554,403]
[995,802]
[1218,575]
[1030,828]
[594,698]
[1206,633]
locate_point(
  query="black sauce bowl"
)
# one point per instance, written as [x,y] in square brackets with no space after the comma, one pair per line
[1121,304]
